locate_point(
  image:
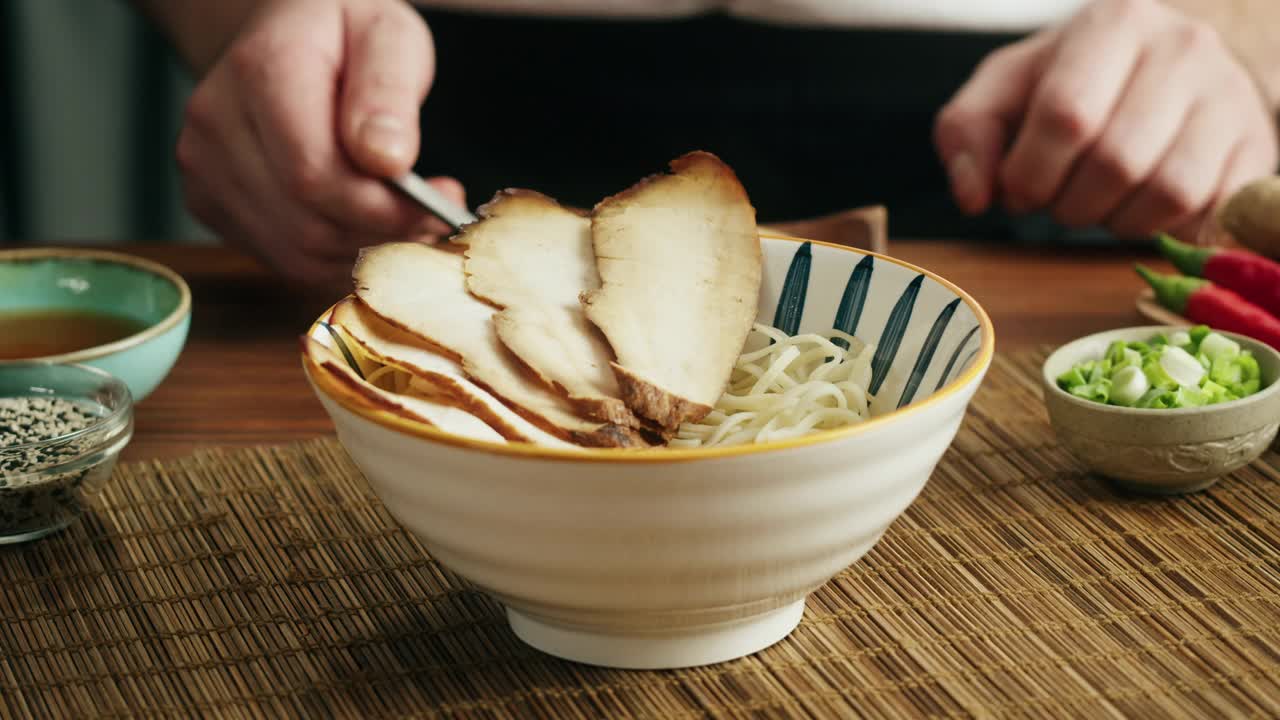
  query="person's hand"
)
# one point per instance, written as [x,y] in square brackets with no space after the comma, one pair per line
[287,137]
[1131,115]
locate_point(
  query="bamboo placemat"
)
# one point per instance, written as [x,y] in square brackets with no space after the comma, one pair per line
[272,583]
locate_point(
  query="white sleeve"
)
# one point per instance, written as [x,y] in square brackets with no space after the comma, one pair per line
[973,15]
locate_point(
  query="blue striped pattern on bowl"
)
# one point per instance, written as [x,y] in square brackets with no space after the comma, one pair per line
[925,335]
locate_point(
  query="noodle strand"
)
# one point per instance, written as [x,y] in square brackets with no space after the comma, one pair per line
[784,387]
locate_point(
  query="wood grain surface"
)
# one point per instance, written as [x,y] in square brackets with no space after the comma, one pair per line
[239,381]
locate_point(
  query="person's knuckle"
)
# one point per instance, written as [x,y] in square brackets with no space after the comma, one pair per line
[186,152]
[1000,58]
[404,13]
[1239,84]
[951,121]
[245,60]
[308,182]
[396,27]
[382,80]
[264,59]
[1175,198]
[1263,144]
[201,109]
[1125,10]
[399,18]
[1192,37]
[1067,119]
[1116,168]
[954,115]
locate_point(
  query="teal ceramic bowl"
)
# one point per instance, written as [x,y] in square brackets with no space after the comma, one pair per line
[148,294]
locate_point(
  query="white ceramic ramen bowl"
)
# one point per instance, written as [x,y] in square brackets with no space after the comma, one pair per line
[669,558]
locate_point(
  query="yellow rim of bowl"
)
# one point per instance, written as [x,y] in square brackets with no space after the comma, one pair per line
[138,338]
[335,391]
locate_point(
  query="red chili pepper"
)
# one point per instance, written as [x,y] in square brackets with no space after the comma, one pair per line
[1200,301]
[1256,278]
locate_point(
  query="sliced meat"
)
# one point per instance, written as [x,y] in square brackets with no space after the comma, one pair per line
[532,257]
[679,262]
[443,417]
[422,290]
[434,375]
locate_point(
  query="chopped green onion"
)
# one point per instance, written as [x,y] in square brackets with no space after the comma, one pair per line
[1188,368]
[1097,392]
[1181,366]
[1156,399]
[1215,345]
[1190,396]
[1128,385]
[1071,378]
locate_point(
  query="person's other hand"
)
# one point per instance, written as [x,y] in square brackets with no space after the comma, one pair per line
[288,134]
[1131,115]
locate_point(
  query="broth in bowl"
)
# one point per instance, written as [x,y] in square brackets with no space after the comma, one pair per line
[122,314]
[29,334]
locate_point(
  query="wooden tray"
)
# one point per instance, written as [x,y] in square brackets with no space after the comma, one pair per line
[1156,312]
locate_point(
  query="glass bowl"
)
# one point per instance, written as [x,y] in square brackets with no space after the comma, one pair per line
[62,427]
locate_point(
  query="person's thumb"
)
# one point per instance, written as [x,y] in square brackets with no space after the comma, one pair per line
[974,129]
[390,63]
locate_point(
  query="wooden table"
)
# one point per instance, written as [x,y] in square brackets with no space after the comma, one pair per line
[239,381]
[272,581]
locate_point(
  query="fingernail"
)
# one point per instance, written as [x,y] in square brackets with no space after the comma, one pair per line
[384,135]
[965,182]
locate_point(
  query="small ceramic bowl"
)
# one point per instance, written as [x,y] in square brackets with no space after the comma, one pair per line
[138,290]
[1165,452]
[675,557]
[62,427]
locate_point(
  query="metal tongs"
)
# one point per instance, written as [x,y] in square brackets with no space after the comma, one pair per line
[432,200]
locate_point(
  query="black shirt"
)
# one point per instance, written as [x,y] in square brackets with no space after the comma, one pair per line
[812,120]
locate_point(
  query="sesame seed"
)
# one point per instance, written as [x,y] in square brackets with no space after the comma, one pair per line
[36,419]
[33,496]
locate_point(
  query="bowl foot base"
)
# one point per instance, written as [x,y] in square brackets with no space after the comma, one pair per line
[1141,488]
[697,646]
[13,538]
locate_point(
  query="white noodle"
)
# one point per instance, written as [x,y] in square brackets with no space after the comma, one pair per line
[784,387]
[770,376]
